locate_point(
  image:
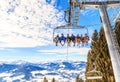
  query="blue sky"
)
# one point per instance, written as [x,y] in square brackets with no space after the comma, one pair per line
[26,29]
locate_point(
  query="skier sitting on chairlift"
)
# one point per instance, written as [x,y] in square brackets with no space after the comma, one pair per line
[62,40]
[73,39]
[68,40]
[56,39]
[82,40]
[78,39]
[86,39]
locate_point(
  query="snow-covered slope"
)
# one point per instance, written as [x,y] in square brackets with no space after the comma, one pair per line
[31,72]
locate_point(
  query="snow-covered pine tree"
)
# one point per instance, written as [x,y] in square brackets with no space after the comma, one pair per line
[45,79]
[53,80]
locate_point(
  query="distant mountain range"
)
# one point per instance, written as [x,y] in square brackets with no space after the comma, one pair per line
[20,71]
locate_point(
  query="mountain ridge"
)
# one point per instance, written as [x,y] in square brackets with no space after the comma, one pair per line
[32,72]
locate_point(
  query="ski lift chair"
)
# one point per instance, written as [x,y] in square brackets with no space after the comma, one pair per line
[94,74]
[67,27]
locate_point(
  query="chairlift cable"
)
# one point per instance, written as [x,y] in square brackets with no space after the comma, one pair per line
[67,48]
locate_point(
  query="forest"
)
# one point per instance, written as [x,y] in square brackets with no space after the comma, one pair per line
[99,55]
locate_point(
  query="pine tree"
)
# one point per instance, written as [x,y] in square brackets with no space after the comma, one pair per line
[95,35]
[77,79]
[94,39]
[45,79]
[53,80]
[80,80]
[117,31]
[99,54]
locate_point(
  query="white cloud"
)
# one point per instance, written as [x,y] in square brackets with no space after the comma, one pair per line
[81,51]
[2,48]
[27,23]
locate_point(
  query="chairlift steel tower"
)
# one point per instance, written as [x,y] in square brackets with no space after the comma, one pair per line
[113,47]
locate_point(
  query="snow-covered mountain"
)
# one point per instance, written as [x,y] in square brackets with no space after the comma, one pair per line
[62,71]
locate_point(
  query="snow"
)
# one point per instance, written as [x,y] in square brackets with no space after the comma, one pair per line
[8,79]
[32,72]
[5,74]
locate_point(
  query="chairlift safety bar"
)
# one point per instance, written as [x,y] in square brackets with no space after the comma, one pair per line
[94,77]
[70,27]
